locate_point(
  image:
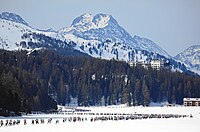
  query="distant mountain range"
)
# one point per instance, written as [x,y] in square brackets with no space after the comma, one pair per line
[191,58]
[98,36]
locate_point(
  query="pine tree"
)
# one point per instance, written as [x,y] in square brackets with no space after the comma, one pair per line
[137,92]
[146,94]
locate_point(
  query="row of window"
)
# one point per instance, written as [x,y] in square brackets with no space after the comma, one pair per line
[191,103]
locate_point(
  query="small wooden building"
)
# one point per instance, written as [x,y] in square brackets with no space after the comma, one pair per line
[191,101]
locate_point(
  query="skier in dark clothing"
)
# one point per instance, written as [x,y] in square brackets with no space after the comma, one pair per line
[25,122]
[1,123]
[32,122]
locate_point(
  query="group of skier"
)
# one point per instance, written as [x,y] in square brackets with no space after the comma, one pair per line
[37,121]
[9,122]
[93,118]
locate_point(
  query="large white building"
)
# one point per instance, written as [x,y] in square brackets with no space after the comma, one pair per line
[157,64]
[191,101]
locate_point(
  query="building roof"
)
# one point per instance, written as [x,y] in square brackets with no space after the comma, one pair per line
[191,99]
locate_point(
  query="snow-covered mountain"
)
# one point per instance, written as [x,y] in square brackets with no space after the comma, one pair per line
[103,28]
[10,34]
[98,36]
[12,28]
[12,17]
[100,27]
[191,58]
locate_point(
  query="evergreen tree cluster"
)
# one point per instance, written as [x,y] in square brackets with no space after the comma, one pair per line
[39,80]
[20,89]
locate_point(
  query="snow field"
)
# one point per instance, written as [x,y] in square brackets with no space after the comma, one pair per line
[151,125]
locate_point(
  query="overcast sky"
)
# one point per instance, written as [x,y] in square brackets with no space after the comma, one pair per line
[173,24]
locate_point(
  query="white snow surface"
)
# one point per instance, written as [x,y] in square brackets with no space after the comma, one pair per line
[145,125]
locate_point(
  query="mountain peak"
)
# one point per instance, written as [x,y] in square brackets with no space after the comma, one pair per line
[191,50]
[84,18]
[102,27]
[194,47]
[102,20]
[191,58]
[87,22]
[12,17]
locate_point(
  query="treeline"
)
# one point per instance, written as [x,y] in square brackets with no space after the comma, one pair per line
[35,81]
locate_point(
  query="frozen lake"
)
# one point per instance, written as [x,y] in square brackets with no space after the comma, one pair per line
[187,123]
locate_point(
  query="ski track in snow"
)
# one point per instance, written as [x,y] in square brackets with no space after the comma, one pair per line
[151,125]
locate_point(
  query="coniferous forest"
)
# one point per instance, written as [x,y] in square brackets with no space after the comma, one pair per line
[42,79]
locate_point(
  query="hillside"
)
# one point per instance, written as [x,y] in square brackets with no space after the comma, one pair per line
[37,76]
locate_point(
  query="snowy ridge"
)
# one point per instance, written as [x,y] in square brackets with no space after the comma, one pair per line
[191,58]
[150,45]
[11,34]
[102,28]
[87,22]
[12,17]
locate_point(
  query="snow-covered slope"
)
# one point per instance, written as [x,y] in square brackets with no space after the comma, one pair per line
[191,58]
[10,34]
[149,45]
[103,28]
[12,17]
[12,28]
